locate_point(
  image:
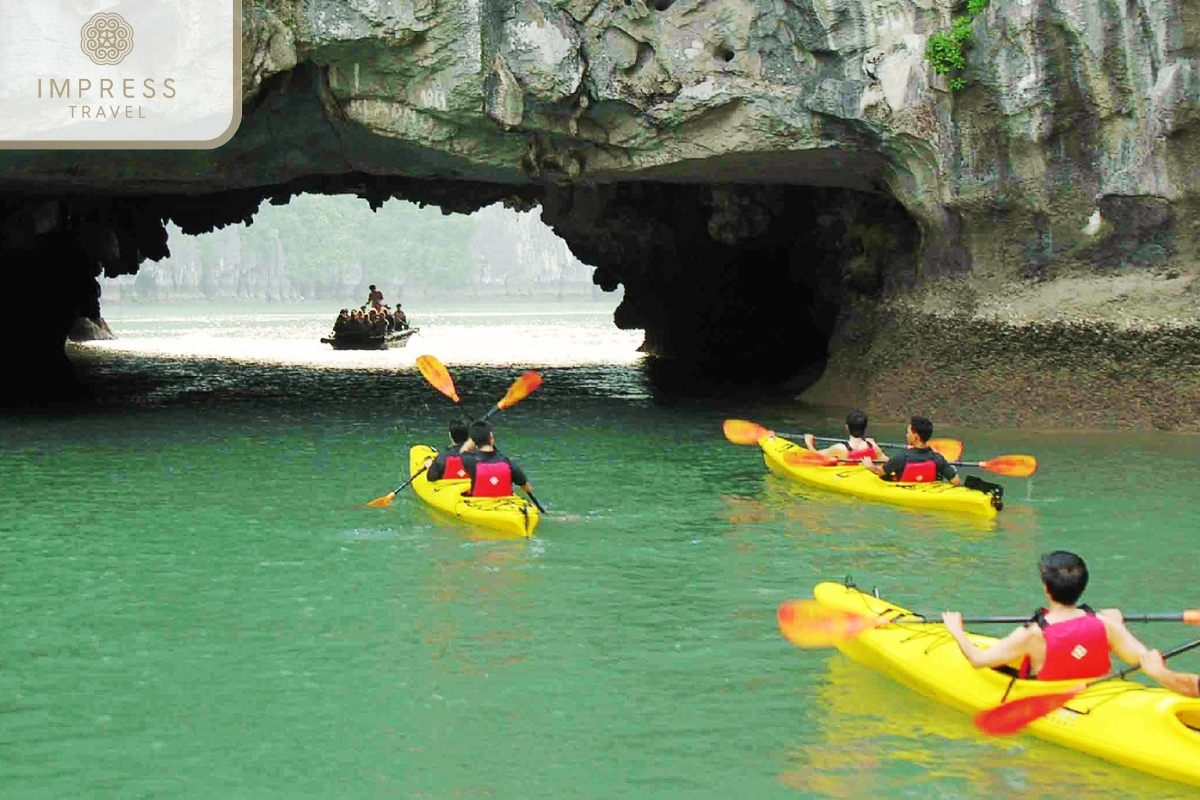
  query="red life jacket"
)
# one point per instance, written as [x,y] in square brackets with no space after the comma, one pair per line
[454,469]
[1075,650]
[919,472]
[492,479]
[860,454]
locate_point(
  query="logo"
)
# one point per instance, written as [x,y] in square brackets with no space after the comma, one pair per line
[73,81]
[494,481]
[106,39]
[1079,652]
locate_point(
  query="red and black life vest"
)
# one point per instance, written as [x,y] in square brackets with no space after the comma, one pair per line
[492,479]
[919,472]
[859,454]
[1076,649]
[454,469]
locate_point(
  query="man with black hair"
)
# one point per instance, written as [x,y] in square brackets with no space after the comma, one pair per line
[492,474]
[1067,640]
[1185,683]
[449,464]
[857,446]
[917,464]
[374,298]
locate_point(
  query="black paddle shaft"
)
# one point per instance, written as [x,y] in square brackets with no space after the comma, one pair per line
[1173,616]
[1129,670]
[410,480]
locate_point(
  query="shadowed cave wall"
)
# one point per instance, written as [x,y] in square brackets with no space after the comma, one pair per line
[736,284]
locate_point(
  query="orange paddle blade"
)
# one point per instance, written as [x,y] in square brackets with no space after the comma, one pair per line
[950,449]
[743,431]
[379,502]
[438,376]
[807,458]
[1191,616]
[1010,718]
[524,386]
[807,623]
[1012,466]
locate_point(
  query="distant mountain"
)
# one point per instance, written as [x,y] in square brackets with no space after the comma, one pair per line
[321,247]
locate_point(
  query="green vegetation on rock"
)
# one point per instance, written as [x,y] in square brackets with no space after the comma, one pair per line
[946,50]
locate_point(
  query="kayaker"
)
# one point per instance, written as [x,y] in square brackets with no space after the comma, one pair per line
[492,474]
[448,463]
[1067,641]
[918,463]
[1185,683]
[857,446]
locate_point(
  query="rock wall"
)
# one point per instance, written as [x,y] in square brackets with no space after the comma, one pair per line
[1070,154]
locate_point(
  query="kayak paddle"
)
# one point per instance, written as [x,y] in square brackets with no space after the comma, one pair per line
[742,431]
[1012,466]
[386,500]
[535,502]
[809,624]
[1009,718]
[951,449]
[438,376]
[521,388]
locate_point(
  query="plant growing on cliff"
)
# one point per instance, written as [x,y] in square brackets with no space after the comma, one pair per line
[946,50]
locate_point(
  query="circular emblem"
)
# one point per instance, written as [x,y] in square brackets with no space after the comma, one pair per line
[107,38]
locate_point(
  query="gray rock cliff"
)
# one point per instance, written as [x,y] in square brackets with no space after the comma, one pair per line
[763,176]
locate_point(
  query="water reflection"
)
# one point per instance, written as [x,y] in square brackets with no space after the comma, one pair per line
[874,737]
[476,594]
[805,510]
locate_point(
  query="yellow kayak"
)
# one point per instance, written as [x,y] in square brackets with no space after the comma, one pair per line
[857,480]
[512,515]
[1126,722]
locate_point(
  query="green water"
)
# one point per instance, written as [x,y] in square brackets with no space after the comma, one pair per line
[196,604]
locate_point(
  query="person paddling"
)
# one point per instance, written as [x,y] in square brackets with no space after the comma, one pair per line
[449,464]
[1185,683]
[492,474]
[917,464]
[1067,640]
[857,446]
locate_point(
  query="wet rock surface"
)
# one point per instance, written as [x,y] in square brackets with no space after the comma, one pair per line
[979,371]
[86,329]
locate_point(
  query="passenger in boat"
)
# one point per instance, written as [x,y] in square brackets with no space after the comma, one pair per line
[857,446]
[400,319]
[917,464]
[1067,641]
[449,463]
[357,324]
[375,324]
[374,298]
[1185,683]
[339,324]
[492,474]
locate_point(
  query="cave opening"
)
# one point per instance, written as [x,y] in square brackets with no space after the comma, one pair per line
[730,284]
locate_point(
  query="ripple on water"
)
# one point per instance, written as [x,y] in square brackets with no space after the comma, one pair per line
[200,573]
